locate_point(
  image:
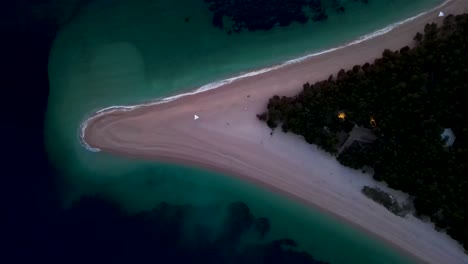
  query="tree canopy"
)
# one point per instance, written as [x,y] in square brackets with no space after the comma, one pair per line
[407,98]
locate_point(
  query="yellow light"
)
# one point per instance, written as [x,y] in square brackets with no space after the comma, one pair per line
[342,115]
[372,122]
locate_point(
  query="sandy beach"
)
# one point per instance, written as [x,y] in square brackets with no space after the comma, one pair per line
[229,138]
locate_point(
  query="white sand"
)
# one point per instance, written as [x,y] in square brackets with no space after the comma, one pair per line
[229,138]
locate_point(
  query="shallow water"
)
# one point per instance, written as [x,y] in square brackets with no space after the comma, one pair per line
[125,52]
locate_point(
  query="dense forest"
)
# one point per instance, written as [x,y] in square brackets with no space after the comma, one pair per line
[407,98]
[35,228]
[253,15]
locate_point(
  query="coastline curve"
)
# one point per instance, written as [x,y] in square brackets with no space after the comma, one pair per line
[221,83]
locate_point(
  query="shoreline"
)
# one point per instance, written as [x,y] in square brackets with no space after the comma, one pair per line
[221,83]
[291,196]
[164,130]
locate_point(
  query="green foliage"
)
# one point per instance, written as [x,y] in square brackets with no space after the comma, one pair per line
[356,156]
[412,94]
[263,116]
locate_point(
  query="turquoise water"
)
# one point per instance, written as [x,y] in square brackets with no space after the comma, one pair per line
[125,52]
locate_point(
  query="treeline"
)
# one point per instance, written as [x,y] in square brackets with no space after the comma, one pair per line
[253,15]
[95,230]
[407,98]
